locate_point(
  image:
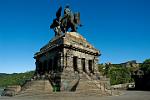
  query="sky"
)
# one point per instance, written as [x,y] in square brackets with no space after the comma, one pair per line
[120,29]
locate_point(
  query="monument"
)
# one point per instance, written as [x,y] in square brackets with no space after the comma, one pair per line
[68,55]
[68,61]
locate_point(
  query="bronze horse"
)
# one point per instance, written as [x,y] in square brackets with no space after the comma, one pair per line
[66,22]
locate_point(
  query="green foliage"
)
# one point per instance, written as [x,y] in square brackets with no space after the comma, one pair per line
[145,67]
[101,69]
[116,73]
[147,61]
[15,78]
[119,75]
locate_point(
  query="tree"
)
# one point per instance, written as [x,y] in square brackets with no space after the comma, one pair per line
[145,67]
[116,72]
[119,75]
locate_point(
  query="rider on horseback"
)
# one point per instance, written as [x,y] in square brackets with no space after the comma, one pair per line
[63,24]
[68,18]
[67,11]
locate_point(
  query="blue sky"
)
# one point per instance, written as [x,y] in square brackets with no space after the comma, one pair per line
[120,29]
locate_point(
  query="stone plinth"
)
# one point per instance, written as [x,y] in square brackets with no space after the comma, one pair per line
[65,58]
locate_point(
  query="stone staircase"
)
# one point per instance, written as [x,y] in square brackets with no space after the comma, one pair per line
[43,88]
[87,85]
[90,86]
[36,87]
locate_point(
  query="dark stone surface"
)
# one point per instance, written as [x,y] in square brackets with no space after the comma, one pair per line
[64,57]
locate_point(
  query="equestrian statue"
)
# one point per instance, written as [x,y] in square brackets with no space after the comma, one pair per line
[68,21]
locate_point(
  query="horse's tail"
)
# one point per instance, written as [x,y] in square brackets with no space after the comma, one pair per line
[77,18]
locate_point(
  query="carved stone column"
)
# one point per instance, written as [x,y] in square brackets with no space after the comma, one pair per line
[87,66]
[95,63]
[79,65]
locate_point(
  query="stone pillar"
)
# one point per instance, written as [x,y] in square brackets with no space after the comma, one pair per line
[69,61]
[87,66]
[93,65]
[79,65]
[95,62]
[62,62]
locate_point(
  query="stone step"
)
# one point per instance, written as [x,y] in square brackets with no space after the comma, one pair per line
[36,87]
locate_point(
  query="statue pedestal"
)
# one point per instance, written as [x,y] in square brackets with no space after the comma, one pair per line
[65,58]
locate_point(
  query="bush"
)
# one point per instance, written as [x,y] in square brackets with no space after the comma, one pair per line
[119,75]
[145,67]
[116,73]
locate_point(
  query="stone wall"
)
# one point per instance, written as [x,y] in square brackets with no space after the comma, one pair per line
[68,61]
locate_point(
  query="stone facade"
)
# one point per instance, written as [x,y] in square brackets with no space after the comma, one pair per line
[65,59]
